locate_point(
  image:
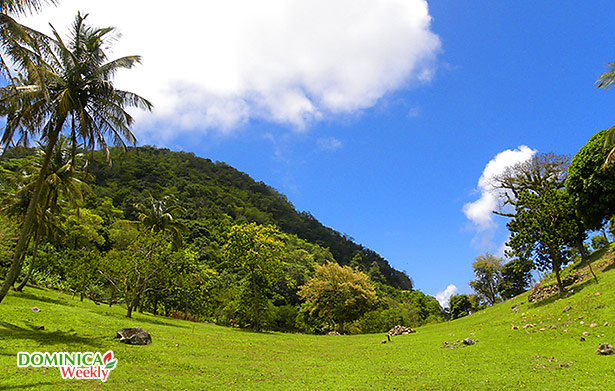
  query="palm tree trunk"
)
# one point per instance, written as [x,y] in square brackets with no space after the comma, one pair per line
[26,228]
[31,269]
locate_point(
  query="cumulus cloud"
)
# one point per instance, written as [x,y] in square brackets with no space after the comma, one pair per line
[445,296]
[480,212]
[219,64]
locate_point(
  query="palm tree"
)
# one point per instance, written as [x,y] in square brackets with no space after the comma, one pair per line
[605,81]
[157,216]
[11,32]
[22,6]
[61,184]
[76,95]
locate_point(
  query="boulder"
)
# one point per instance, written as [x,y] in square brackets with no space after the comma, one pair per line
[133,336]
[468,341]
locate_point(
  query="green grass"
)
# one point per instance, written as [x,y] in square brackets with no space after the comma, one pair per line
[187,356]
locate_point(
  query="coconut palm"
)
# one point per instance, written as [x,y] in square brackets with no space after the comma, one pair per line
[605,81]
[157,216]
[15,7]
[11,32]
[61,185]
[76,96]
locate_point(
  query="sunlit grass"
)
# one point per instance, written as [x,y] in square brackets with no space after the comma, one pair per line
[186,356]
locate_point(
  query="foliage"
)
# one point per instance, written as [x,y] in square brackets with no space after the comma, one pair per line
[599,242]
[488,273]
[460,306]
[8,237]
[215,196]
[63,85]
[592,186]
[544,226]
[255,251]
[516,278]
[337,295]
[206,286]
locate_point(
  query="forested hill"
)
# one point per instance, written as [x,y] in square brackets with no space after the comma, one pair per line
[216,193]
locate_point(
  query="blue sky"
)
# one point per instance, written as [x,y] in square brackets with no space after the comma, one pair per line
[390,151]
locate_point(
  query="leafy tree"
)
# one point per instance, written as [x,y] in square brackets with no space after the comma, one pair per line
[460,306]
[488,273]
[516,278]
[70,87]
[592,186]
[255,251]
[337,295]
[544,225]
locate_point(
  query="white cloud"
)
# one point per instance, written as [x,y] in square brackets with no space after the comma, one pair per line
[445,296]
[329,144]
[480,212]
[219,64]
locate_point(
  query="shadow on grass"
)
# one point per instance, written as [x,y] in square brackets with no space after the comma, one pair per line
[31,386]
[570,291]
[252,331]
[143,318]
[30,296]
[610,267]
[44,337]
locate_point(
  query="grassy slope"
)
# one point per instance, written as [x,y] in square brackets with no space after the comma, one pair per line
[212,357]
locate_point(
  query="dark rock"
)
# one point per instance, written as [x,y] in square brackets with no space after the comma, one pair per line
[605,349]
[468,341]
[133,336]
[38,327]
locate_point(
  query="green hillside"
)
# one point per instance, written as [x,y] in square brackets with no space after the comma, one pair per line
[212,191]
[99,249]
[519,345]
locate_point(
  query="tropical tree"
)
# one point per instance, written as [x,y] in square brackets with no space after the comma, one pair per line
[516,278]
[61,185]
[157,216]
[605,81]
[337,295]
[488,272]
[590,184]
[255,251]
[460,306]
[544,225]
[70,89]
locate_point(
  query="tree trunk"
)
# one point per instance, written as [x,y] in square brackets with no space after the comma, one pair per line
[31,269]
[585,259]
[134,302]
[26,228]
[560,285]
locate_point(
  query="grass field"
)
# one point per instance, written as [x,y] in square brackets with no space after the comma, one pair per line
[197,356]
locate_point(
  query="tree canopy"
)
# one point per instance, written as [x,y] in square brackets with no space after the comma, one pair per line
[590,184]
